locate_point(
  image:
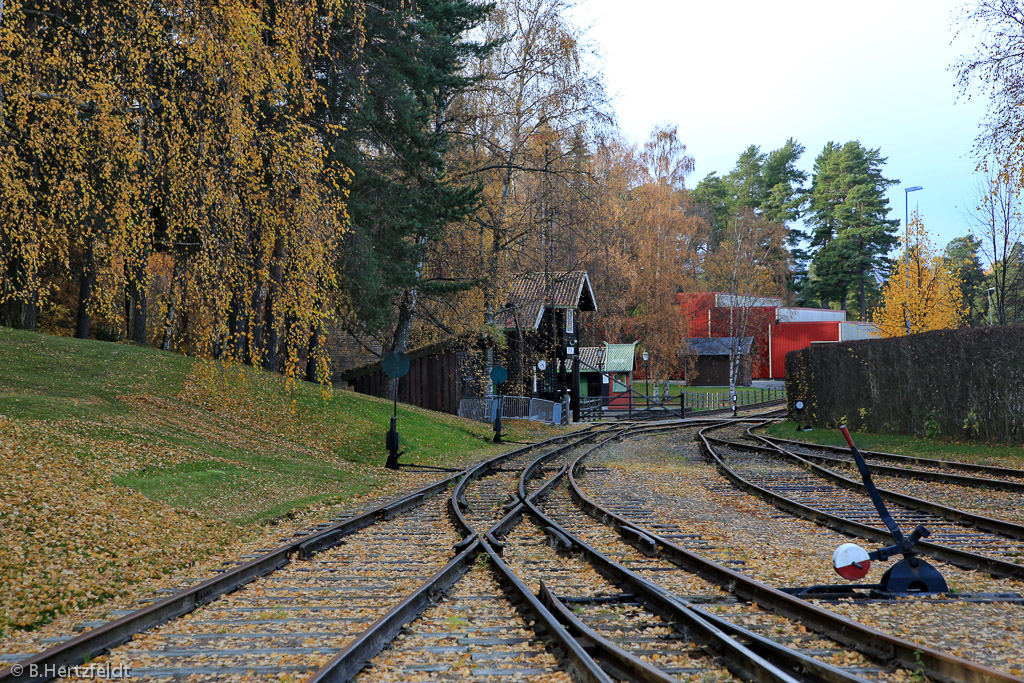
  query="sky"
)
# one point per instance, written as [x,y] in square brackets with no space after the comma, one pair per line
[732,74]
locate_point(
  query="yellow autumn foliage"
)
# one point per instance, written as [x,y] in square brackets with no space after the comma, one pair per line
[129,129]
[922,293]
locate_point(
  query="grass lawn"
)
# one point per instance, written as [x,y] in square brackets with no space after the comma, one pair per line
[121,463]
[903,444]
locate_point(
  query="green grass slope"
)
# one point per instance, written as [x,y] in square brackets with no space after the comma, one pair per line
[122,463]
[905,444]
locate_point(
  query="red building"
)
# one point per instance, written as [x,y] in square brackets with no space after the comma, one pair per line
[776,329]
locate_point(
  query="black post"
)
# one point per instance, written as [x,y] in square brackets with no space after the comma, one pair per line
[391,439]
[647,380]
[497,418]
[574,397]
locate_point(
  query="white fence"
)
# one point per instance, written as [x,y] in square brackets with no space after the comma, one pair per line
[513,408]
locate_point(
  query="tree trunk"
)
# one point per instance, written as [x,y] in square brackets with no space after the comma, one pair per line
[238,325]
[273,337]
[315,343]
[259,302]
[406,313]
[86,280]
[289,361]
[136,305]
[20,314]
[171,308]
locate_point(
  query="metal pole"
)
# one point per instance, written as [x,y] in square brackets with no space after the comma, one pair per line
[906,227]
[647,376]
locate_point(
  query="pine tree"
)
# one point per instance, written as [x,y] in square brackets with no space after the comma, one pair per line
[768,184]
[394,103]
[850,234]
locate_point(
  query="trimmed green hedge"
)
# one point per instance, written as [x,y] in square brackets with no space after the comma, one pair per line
[954,383]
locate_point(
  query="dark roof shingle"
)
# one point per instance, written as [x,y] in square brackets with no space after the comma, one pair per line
[529,293]
[716,346]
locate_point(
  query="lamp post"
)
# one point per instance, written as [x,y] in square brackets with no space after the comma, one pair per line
[604,379]
[990,290]
[906,228]
[647,376]
[906,209]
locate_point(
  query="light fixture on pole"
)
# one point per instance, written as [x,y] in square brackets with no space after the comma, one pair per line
[647,371]
[990,290]
[906,209]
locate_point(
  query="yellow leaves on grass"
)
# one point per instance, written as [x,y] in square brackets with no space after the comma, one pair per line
[69,537]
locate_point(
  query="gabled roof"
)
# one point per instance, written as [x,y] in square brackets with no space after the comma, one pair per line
[717,346]
[617,358]
[529,293]
[588,356]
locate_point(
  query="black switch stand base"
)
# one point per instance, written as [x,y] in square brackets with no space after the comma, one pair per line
[913,575]
[392,445]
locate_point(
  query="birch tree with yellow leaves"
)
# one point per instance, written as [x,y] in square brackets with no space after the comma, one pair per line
[176,128]
[922,293]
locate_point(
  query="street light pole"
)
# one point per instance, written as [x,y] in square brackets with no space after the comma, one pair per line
[906,247]
[647,378]
[906,209]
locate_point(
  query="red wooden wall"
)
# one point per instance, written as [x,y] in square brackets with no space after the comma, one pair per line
[788,337]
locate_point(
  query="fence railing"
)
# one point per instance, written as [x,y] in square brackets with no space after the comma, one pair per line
[513,408]
[592,407]
[692,401]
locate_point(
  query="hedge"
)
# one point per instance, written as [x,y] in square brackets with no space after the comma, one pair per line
[955,383]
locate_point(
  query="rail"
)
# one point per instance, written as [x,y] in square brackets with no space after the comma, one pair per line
[936,664]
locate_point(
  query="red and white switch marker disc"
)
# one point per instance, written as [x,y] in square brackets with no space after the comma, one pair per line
[851,561]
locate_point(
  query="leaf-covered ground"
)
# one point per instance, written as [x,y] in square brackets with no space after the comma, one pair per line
[122,465]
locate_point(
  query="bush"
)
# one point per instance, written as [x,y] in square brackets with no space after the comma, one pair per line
[951,383]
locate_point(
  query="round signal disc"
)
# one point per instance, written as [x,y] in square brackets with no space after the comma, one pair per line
[851,561]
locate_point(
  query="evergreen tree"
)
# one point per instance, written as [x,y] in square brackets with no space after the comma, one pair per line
[850,234]
[767,184]
[391,111]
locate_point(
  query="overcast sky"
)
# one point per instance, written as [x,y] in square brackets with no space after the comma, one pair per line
[731,74]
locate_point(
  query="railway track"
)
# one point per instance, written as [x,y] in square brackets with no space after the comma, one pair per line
[801,487]
[582,649]
[453,587]
[282,613]
[643,516]
[982,490]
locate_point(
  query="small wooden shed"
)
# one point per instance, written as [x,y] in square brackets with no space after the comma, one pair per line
[707,361]
[612,377]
